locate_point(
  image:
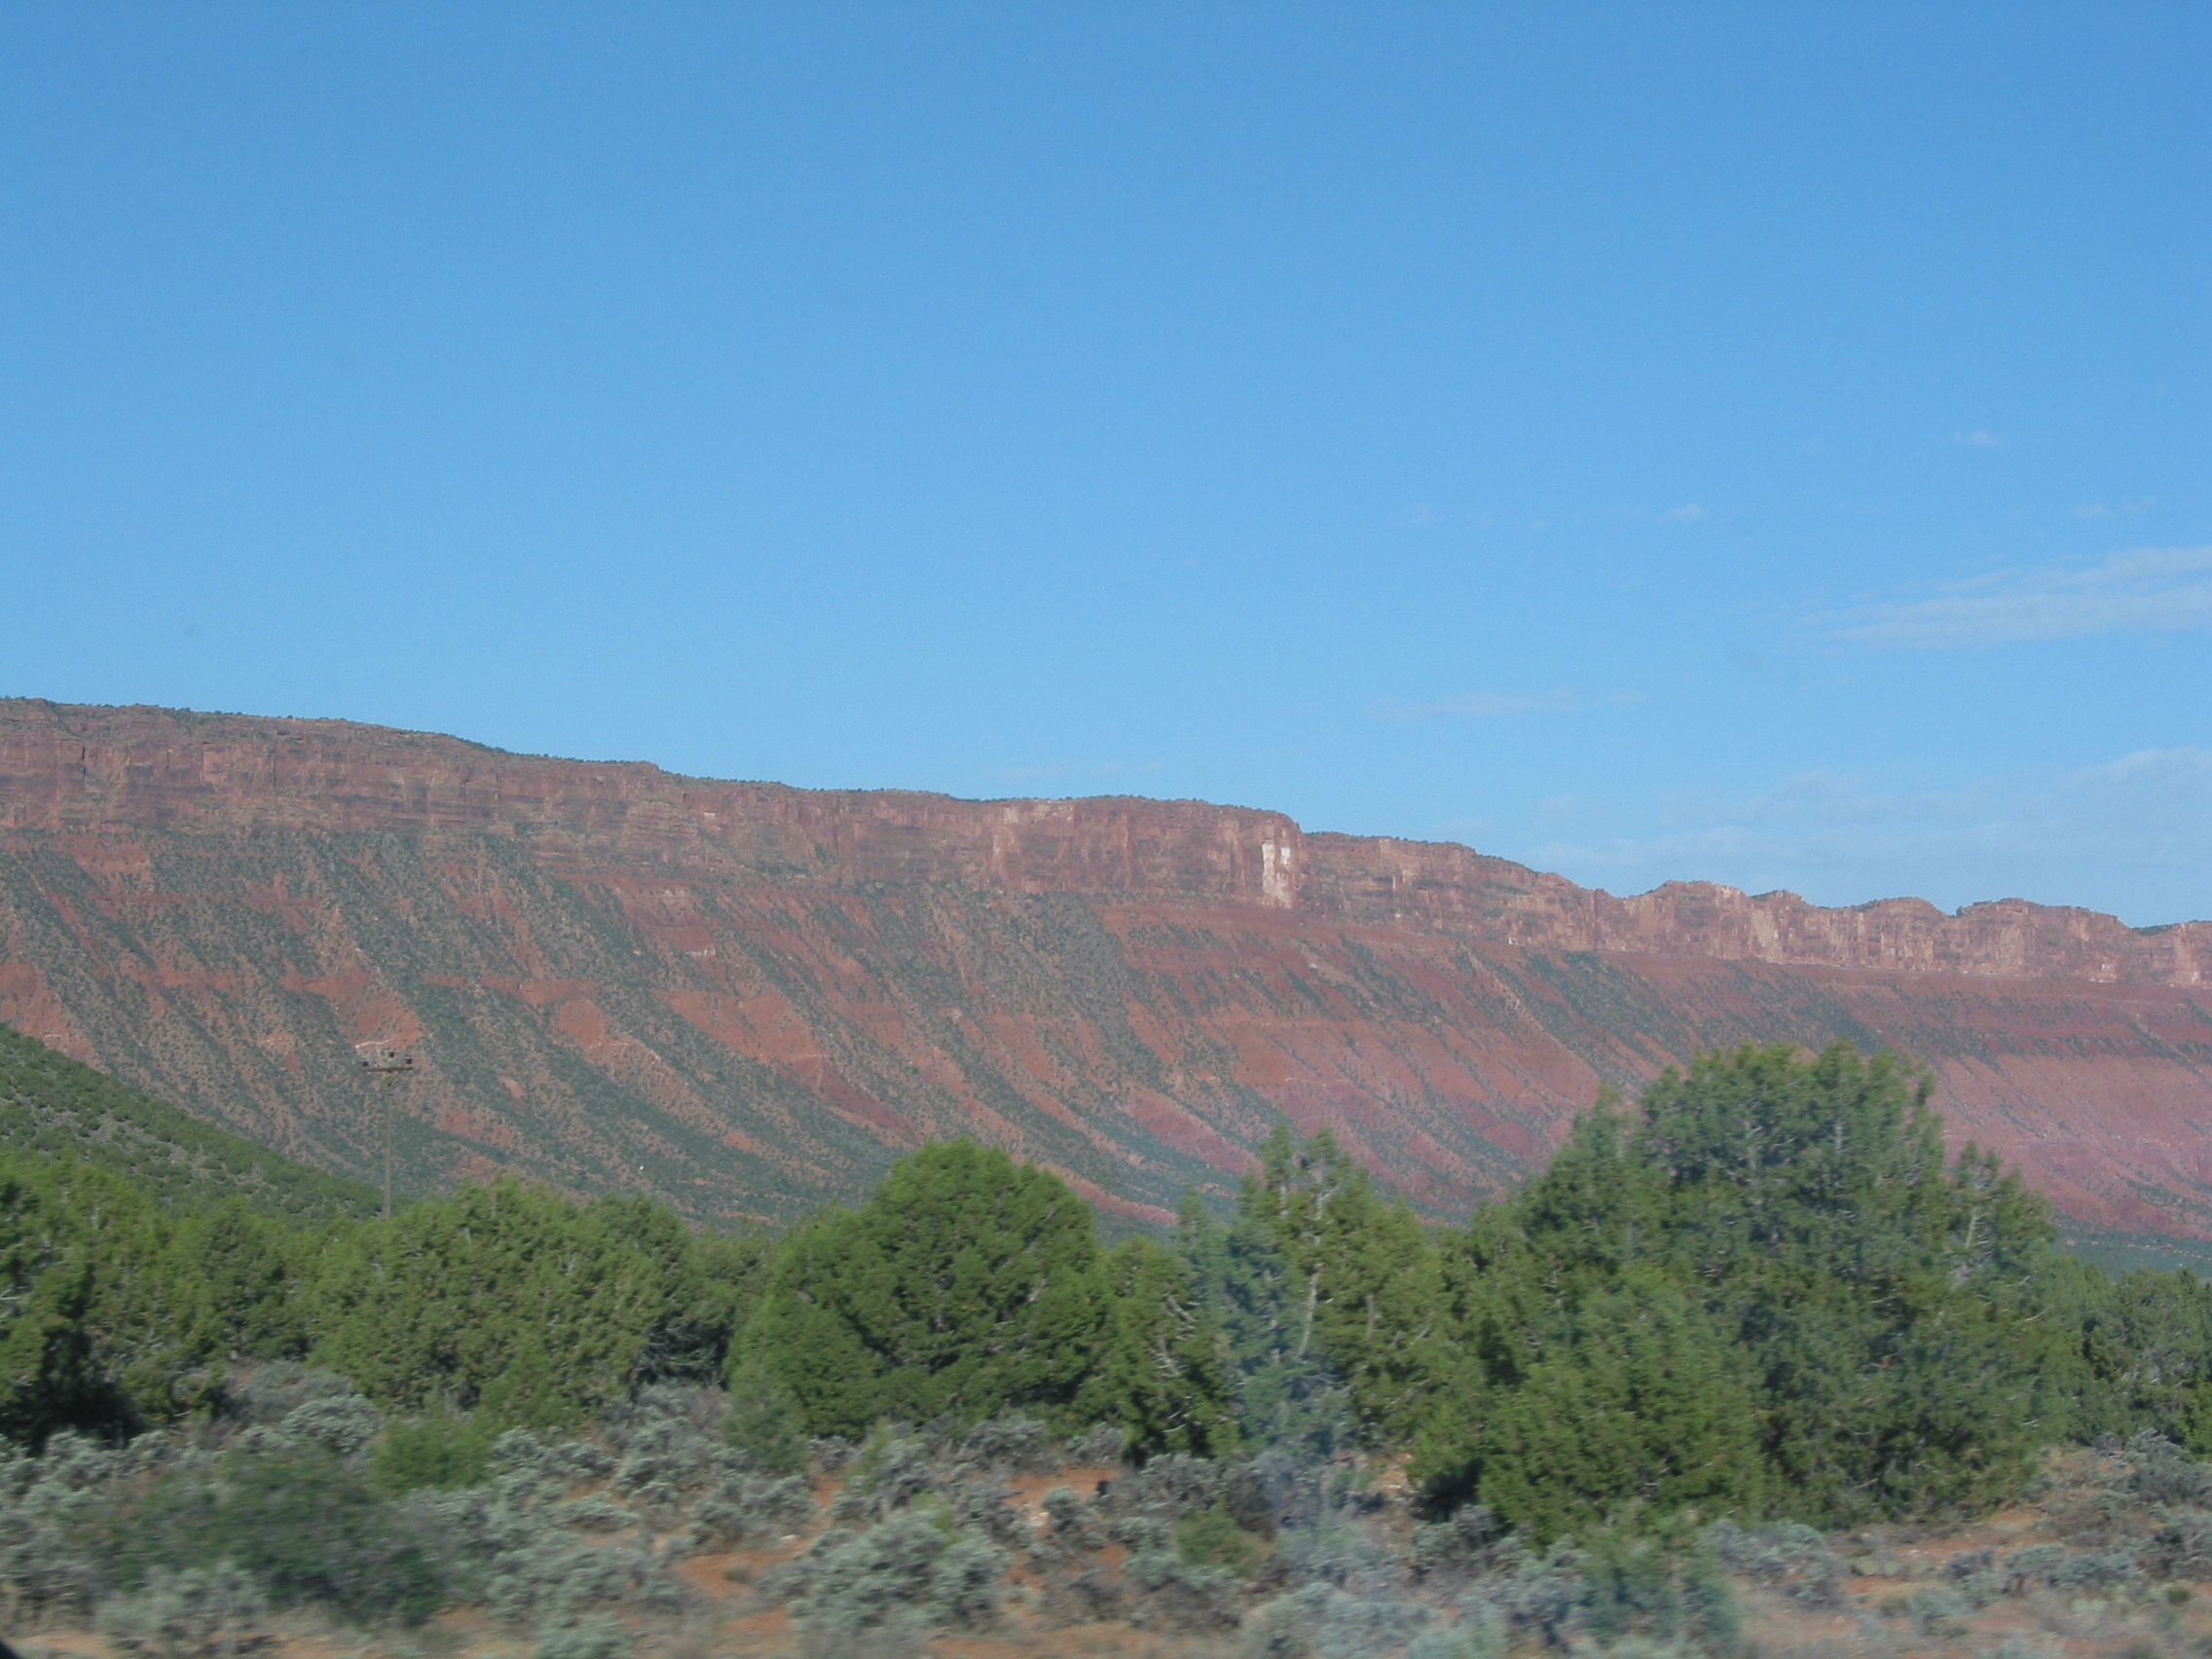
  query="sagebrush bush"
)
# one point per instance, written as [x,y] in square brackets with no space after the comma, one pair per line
[1179,1597]
[341,1425]
[1099,1446]
[1009,1442]
[271,1391]
[963,1471]
[743,1507]
[892,1470]
[1787,1557]
[508,1551]
[911,1573]
[306,1525]
[597,1637]
[1322,1622]
[1335,1549]
[1211,1537]
[1932,1610]
[2181,1548]
[1534,1594]
[1454,1547]
[673,1469]
[2161,1473]
[1479,1633]
[55,1517]
[547,1463]
[212,1614]
[1661,1587]
[2095,1570]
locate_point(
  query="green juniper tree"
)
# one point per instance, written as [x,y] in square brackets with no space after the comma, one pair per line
[968,1285]
[1326,1295]
[2127,1355]
[1636,1400]
[1880,1304]
[256,1268]
[105,1325]
[506,1288]
[711,1287]
[1163,1376]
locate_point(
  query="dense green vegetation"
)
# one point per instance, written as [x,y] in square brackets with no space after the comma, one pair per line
[1769,1290]
[1763,1295]
[1764,1290]
[54,1106]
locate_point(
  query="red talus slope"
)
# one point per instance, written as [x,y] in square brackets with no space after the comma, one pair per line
[747,997]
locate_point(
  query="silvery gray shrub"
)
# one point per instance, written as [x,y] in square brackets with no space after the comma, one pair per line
[212,1614]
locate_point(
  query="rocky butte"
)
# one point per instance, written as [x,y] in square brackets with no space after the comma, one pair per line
[747,998]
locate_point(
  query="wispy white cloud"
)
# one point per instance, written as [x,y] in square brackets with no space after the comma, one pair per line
[1558,809]
[2145,589]
[1476,704]
[1980,439]
[1688,513]
[2103,509]
[1058,770]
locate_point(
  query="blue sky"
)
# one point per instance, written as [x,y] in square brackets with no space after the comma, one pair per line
[1766,444]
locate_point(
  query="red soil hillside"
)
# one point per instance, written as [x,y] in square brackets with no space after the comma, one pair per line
[747,997]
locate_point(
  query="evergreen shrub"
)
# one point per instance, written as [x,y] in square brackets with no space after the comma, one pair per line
[441,1449]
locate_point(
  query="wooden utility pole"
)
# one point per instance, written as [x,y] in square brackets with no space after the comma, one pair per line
[384,1064]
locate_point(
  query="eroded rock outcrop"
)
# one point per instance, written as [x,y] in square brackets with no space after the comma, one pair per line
[749,997]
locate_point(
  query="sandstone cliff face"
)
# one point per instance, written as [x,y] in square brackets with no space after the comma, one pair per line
[749,997]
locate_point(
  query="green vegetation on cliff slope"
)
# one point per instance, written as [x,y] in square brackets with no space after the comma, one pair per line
[58,1107]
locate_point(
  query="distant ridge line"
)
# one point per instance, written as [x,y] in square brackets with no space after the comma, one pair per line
[71,768]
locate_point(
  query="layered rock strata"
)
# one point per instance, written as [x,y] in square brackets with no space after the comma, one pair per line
[747,997]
